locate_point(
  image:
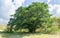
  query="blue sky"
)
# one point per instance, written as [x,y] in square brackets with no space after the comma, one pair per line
[8,7]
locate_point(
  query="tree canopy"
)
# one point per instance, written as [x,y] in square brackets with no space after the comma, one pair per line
[31,17]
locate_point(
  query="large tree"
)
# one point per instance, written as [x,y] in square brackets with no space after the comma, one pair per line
[31,17]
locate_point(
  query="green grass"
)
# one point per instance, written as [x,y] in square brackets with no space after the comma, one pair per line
[3,27]
[20,35]
[29,35]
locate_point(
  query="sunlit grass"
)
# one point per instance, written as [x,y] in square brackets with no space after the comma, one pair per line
[28,35]
[42,36]
[7,35]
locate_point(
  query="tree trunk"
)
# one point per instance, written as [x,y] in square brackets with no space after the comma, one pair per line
[11,29]
[32,30]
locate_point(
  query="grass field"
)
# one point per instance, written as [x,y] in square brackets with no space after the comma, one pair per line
[21,35]
[9,35]
[3,27]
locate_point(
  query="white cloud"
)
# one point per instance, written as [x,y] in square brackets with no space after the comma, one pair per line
[51,7]
[58,9]
[2,21]
[18,3]
[54,9]
[8,7]
[49,1]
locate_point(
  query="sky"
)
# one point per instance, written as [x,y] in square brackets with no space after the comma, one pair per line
[8,7]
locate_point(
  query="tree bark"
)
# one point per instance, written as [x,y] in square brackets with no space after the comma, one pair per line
[11,29]
[32,30]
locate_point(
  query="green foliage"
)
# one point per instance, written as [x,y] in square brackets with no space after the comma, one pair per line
[31,17]
[56,22]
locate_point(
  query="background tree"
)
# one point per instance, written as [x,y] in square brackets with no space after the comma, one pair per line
[56,21]
[31,17]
